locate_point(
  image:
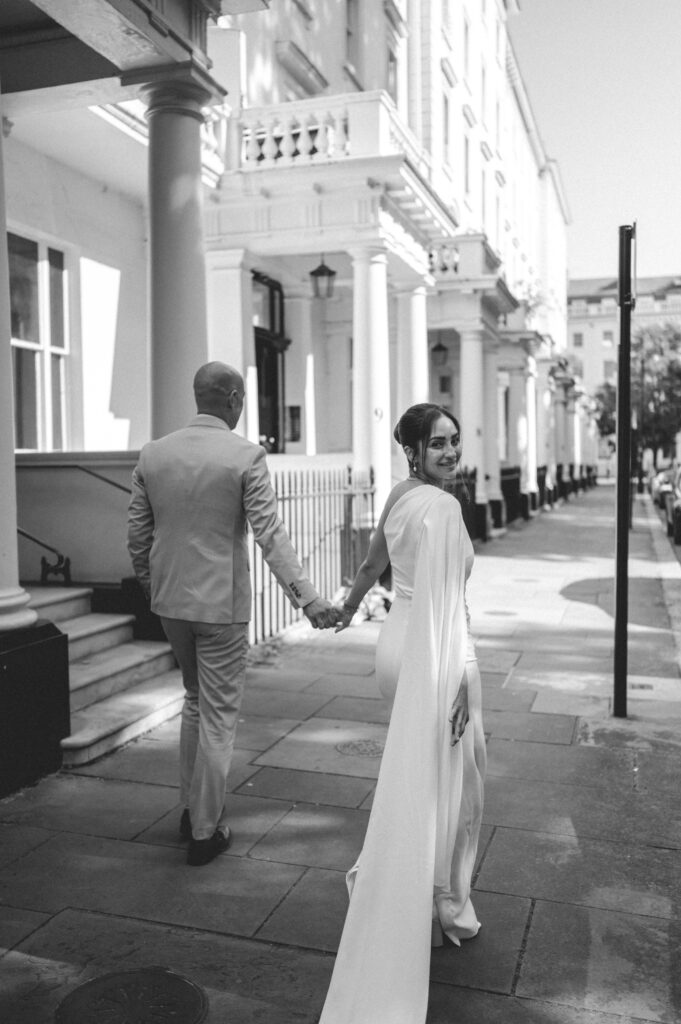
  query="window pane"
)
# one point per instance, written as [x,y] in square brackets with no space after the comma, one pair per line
[56,260]
[23,287]
[57,403]
[25,365]
[261,305]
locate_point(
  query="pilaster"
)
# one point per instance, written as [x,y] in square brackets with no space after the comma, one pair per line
[13,599]
[371,368]
[412,347]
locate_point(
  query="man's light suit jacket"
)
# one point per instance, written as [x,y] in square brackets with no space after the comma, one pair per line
[194,491]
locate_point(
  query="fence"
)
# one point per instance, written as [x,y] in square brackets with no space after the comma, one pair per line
[329,515]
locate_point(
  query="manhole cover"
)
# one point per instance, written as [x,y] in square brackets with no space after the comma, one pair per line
[368,748]
[150,995]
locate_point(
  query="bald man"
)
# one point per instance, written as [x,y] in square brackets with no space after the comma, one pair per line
[194,491]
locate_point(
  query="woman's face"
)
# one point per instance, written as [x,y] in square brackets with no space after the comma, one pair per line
[442,452]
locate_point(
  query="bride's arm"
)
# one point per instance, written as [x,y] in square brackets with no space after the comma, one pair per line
[371,568]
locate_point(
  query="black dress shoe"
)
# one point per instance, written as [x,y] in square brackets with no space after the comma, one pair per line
[185,825]
[203,851]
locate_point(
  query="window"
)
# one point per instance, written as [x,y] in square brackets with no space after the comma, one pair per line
[37,281]
[352,35]
[391,85]
[578,340]
[609,371]
[466,165]
[608,339]
[446,134]
[466,46]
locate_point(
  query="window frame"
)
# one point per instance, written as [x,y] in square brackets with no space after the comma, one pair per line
[48,355]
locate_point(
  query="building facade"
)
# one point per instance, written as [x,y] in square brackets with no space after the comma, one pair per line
[176,174]
[593,338]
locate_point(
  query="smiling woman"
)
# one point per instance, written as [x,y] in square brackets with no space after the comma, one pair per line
[428,799]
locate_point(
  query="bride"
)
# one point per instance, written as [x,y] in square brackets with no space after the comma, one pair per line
[410,887]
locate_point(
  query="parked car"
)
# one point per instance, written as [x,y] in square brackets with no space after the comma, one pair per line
[661,484]
[672,508]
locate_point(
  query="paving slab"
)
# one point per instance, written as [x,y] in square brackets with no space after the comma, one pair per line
[340,684]
[572,765]
[596,812]
[299,920]
[17,924]
[530,726]
[147,759]
[317,836]
[449,1005]
[232,895]
[262,700]
[495,698]
[347,662]
[291,677]
[245,982]
[314,746]
[308,787]
[259,732]
[95,807]
[357,709]
[587,872]
[16,840]
[489,960]
[602,960]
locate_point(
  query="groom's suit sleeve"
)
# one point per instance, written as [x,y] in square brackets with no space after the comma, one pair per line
[140,530]
[260,506]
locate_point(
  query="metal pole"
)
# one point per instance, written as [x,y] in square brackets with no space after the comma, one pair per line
[626,302]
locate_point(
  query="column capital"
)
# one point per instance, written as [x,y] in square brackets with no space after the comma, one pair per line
[184,88]
[372,252]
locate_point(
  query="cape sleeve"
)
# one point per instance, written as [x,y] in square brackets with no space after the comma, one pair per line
[382,967]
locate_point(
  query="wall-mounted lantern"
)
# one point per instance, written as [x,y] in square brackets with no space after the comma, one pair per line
[439,354]
[322,278]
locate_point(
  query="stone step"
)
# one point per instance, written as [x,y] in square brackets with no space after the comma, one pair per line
[105,672]
[59,603]
[115,720]
[96,632]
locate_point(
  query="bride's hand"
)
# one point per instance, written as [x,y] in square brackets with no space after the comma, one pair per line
[344,617]
[458,716]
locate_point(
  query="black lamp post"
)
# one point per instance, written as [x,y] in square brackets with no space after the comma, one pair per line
[322,280]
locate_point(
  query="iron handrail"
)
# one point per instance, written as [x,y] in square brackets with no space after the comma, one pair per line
[62,566]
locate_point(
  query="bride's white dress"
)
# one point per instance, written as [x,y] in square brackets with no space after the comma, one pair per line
[420,846]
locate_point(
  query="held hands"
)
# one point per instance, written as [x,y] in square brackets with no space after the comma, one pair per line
[458,716]
[321,613]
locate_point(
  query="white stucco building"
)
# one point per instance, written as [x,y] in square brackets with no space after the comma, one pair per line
[173,173]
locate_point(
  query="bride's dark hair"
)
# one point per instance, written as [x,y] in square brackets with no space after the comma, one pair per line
[414,426]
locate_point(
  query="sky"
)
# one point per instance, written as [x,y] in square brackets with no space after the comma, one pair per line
[604,82]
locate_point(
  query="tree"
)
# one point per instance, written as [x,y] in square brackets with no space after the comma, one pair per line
[656,385]
[605,401]
[655,388]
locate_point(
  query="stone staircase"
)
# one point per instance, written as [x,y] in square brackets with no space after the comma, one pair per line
[120,687]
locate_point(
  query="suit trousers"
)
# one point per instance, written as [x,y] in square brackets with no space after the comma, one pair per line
[212,657]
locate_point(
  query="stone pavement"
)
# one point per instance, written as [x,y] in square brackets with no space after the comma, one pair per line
[579,871]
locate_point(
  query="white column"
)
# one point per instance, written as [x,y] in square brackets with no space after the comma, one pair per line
[300,369]
[231,338]
[491,429]
[531,408]
[371,368]
[472,406]
[517,423]
[412,348]
[13,599]
[179,338]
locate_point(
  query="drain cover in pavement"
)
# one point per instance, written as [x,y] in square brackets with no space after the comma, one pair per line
[369,748]
[150,995]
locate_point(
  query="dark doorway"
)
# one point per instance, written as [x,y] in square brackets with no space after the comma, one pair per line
[270,345]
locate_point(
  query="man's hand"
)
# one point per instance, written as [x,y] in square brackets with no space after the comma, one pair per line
[321,613]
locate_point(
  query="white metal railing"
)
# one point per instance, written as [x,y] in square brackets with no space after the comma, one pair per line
[321,130]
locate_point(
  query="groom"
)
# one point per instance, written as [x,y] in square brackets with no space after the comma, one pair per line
[193,493]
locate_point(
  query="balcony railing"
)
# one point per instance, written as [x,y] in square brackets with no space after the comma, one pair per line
[322,130]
